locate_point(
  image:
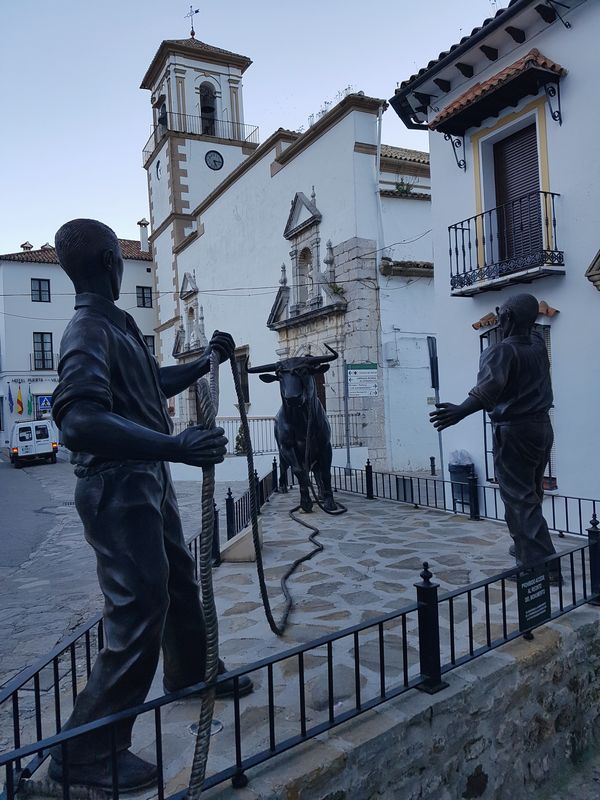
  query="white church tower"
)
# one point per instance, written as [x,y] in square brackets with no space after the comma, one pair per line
[198,138]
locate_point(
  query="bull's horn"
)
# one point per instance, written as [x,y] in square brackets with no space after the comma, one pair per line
[324,358]
[264,368]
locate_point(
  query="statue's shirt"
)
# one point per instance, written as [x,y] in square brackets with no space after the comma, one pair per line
[514,379]
[105,360]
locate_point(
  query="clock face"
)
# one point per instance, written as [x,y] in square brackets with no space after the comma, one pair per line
[214,159]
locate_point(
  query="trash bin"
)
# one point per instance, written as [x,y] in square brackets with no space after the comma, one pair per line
[461,493]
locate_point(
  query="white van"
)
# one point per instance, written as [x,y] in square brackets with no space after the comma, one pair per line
[33,440]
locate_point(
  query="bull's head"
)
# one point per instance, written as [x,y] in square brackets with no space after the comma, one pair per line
[295,376]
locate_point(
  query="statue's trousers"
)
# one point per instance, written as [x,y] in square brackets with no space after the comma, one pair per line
[146,574]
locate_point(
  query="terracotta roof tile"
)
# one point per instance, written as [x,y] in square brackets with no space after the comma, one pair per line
[464,39]
[130,249]
[479,90]
[192,47]
[404,154]
[196,44]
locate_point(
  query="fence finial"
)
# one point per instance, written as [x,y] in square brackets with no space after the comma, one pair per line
[426,575]
[594,522]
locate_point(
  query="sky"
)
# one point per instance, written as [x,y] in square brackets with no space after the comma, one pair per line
[75,120]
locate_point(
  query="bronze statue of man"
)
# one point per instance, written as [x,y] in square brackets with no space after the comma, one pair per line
[110,404]
[513,386]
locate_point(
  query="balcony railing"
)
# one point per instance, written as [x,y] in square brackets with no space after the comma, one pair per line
[199,126]
[262,432]
[513,242]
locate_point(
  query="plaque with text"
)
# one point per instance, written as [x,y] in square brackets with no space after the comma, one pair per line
[533,594]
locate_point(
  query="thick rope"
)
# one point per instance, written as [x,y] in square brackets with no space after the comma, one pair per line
[208,400]
[278,628]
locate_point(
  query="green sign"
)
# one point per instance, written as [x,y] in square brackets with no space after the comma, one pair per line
[533,595]
[362,380]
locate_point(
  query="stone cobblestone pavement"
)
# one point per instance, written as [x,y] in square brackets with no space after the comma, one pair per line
[372,558]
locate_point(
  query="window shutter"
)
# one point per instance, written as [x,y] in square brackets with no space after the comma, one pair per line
[517,181]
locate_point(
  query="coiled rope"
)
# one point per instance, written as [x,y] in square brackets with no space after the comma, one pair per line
[208,402]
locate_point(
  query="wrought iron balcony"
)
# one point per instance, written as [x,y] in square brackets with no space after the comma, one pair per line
[512,243]
[198,126]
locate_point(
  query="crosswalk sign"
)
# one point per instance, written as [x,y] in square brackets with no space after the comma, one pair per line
[44,402]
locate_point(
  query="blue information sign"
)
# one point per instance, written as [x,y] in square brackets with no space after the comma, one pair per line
[44,402]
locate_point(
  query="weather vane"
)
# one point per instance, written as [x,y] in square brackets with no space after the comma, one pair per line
[191,13]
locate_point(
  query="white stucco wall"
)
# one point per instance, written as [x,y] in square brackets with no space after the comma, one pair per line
[243,244]
[22,317]
[574,172]
[406,321]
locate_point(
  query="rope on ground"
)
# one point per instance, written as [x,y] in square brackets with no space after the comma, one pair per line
[278,628]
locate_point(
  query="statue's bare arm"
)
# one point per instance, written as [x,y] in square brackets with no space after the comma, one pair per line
[89,428]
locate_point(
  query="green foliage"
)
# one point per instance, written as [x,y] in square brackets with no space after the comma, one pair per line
[240,443]
[405,187]
[336,289]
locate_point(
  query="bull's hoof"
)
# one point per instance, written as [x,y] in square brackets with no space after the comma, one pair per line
[306,506]
[329,504]
[283,489]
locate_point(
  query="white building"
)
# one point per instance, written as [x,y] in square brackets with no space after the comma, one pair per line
[301,241]
[516,190]
[36,303]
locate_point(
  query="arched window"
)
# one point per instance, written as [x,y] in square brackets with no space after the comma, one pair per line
[208,109]
[189,333]
[162,117]
[304,279]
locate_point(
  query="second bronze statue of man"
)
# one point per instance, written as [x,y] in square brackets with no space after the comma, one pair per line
[110,404]
[513,386]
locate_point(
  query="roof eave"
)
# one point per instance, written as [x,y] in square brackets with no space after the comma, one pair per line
[403,92]
[243,62]
[404,110]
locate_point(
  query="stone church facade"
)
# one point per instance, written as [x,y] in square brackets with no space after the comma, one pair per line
[288,244]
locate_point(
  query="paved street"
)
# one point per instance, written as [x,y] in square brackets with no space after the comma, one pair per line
[24,504]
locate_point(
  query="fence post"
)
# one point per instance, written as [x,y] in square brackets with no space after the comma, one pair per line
[283,475]
[230,514]
[432,464]
[369,480]
[429,634]
[593,533]
[259,500]
[216,545]
[473,498]
[274,487]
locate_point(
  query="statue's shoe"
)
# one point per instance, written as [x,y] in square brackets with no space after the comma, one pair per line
[133,773]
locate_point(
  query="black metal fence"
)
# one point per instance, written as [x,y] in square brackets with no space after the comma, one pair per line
[414,647]
[564,514]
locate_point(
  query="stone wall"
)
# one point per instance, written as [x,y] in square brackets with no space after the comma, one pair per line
[509,725]
[354,333]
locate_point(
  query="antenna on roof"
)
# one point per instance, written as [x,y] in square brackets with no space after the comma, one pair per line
[190,14]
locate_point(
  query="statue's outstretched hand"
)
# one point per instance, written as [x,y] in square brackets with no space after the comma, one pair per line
[224,345]
[201,448]
[447,414]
